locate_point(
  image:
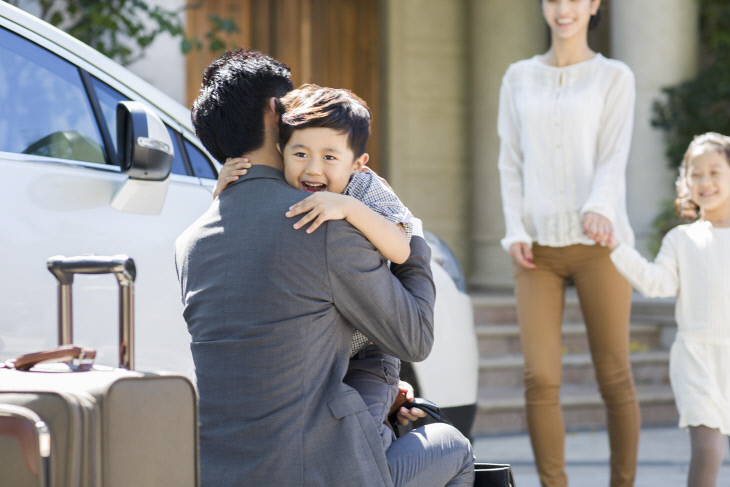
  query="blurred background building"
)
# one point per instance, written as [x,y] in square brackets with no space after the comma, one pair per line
[431,72]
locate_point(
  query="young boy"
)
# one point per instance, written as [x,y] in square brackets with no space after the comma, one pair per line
[322,138]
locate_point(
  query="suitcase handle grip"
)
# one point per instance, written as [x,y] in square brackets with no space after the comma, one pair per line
[64,268]
[123,268]
[60,354]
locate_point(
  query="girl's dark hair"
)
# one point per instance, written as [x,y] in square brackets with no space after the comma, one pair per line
[686,208]
[338,109]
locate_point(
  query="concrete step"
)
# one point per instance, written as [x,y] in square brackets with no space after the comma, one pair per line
[499,308]
[501,401]
[651,367]
[504,339]
[502,410]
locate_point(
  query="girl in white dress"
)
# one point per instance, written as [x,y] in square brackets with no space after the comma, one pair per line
[694,265]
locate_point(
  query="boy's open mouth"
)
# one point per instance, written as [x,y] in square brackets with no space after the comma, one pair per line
[313,187]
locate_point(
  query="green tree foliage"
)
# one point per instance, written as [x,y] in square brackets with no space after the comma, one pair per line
[702,104]
[124,29]
[699,105]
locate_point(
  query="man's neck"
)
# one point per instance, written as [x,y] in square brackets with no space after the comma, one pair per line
[266,156]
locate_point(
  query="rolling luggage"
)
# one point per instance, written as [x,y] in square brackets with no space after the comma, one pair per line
[77,424]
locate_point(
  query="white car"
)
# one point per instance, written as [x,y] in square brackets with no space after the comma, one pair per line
[73,183]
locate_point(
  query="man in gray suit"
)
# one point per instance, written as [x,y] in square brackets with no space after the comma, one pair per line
[271,311]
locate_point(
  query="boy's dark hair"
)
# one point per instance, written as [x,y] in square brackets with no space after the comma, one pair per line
[314,106]
[228,115]
[686,208]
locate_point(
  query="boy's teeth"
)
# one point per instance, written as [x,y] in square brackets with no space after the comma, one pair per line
[314,186]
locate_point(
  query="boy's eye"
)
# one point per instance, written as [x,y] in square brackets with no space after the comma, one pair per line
[300,154]
[330,158]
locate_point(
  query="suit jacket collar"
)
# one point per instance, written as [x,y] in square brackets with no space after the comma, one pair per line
[259,171]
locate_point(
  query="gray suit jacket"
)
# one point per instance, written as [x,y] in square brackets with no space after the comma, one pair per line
[271,311]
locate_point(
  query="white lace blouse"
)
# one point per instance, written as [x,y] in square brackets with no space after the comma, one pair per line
[565,135]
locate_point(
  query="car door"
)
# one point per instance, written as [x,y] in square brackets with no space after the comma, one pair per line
[58,175]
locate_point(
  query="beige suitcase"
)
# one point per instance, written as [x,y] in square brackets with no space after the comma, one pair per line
[94,425]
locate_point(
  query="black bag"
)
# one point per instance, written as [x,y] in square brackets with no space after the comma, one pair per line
[485,474]
[493,475]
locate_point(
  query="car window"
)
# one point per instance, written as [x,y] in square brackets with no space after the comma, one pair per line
[108,99]
[178,166]
[200,162]
[45,109]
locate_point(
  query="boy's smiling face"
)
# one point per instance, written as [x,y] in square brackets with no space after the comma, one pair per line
[319,159]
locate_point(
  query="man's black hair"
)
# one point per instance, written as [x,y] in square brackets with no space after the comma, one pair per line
[228,115]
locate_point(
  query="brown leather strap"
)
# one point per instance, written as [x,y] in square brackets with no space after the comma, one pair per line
[63,353]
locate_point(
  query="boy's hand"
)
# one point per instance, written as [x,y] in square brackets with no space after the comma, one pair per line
[405,394]
[597,227]
[321,207]
[231,170]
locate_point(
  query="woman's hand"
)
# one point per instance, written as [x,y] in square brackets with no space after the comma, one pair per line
[521,254]
[597,227]
[231,170]
[320,207]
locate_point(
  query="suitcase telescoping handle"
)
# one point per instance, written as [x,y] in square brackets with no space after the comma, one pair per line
[123,268]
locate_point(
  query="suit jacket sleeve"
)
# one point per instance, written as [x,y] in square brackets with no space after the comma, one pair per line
[393,307]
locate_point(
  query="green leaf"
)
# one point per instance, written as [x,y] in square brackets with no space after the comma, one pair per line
[110,26]
[217,45]
[56,18]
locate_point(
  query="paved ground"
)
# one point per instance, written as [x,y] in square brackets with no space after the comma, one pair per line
[663,458]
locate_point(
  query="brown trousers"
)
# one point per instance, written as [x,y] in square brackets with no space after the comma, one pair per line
[605,300]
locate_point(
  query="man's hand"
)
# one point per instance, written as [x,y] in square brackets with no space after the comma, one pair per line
[597,227]
[521,254]
[231,170]
[405,394]
[321,207]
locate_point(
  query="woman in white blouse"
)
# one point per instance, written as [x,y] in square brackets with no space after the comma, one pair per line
[565,122]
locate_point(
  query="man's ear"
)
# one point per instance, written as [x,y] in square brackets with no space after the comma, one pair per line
[278,147]
[360,162]
[272,105]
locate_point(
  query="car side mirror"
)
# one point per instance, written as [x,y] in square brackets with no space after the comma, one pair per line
[145,156]
[145,147]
